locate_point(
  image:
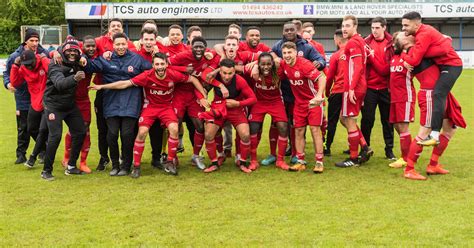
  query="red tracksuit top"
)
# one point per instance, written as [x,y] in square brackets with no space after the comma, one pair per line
[354,66]
[427,39]
[378,66]
[104,43]
[335,76]
[35,79]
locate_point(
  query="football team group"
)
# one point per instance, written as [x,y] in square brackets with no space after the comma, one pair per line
[159,85]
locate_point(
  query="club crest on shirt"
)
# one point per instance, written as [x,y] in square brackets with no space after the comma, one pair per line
[51,117]
[41,72]
[141,119]
[170,84]
[204,66]
[130,69]
[300,53]
[297,74]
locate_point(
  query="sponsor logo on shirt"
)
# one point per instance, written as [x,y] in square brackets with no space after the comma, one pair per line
[296,82]
[161,92]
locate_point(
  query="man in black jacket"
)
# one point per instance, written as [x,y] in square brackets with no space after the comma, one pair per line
[59,102]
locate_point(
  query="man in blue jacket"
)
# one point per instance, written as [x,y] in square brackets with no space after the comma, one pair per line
[121,107]
[22,96]
[305,50]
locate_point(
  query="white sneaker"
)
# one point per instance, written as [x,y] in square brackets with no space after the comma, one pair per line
[198,161]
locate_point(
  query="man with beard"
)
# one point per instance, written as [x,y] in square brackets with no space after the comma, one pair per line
[252,41]
[228,107]
[84,104]
[306,51]
[355,86]
[59,103]
[33,68]
[428,39]
[269,101]
[121,107]
[428,74]
[158,85]
[185,100]
[380,46]
[22,96]
[308,87]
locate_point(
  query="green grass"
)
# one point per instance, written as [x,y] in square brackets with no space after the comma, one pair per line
[367,206]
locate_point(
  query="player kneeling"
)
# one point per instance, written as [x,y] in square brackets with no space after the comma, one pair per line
[158,84]
[308,110]
[269,101]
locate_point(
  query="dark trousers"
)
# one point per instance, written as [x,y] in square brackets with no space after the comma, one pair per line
[334,111]
[101,125]
[371,100]
[38,129]
[126,127]
[156,140]
[447,77]
[23,137]
[190,127]
[77,129]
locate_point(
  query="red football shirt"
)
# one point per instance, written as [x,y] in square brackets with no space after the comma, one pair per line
[302,76]
[265,90]
[335,76]
[175,49]
[401,81]
[159,91]
[104,43]
[354,66]
[261,47]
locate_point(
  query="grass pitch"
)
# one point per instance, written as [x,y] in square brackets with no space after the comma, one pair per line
[367,206]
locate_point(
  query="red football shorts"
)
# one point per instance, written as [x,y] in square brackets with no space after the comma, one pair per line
[85,108]
[348,108]
[425,102]
[186,101]
[304,116]
[165,114]
[219,114]
[275,109]
[402,112]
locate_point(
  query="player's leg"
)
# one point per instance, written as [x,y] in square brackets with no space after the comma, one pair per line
[127,138]
[210,131]
[101,124]
[139,147]
[37,126]
[334,110]
[387,127]
[282,127]
[447,133]
[199,138]
[23,136]
[54,121]
[444,84]
[255,128]
[243,131]
[403,131]
[156,133]
[113,128]
[75,123]
[318,148]
[368,114]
